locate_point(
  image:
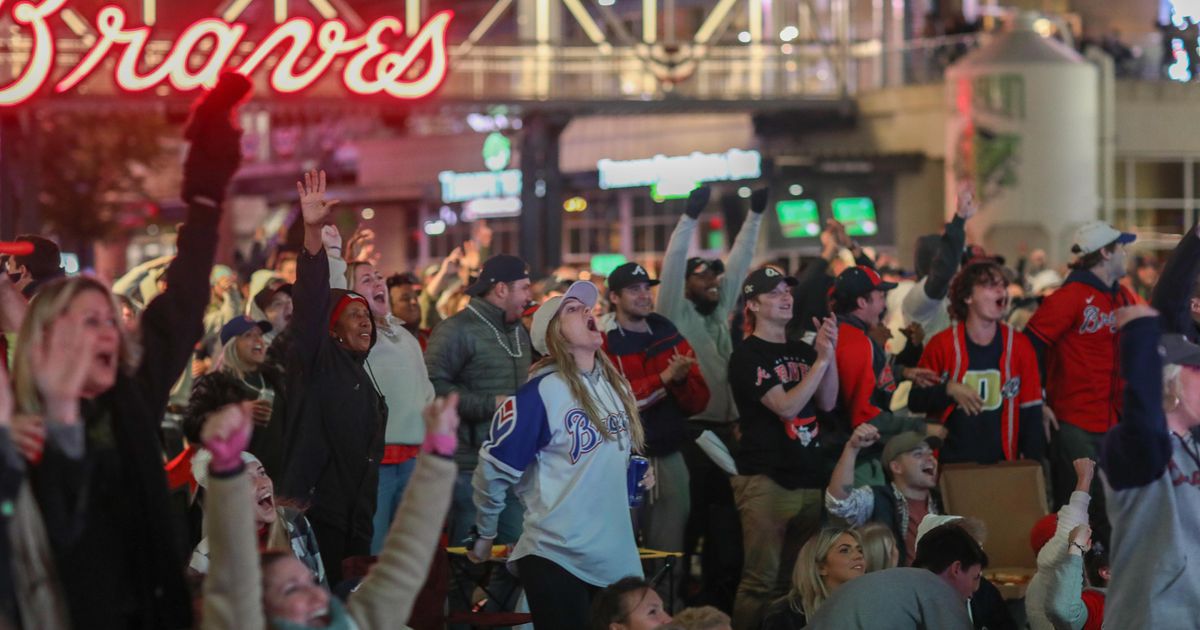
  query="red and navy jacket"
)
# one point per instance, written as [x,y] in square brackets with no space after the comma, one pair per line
[864,373]
[1074,333]
[1011,391]
[665,407]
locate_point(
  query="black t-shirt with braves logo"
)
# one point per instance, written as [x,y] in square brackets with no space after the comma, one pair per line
[788,450]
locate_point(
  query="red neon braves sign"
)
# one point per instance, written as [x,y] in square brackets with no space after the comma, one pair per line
[371,65]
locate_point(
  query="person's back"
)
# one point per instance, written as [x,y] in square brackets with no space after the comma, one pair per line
[894,599]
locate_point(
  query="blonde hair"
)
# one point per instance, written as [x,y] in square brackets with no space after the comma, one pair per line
[702,618]
[1171,386]
[808,588]
[229,361]
[50,303]
[561,359]
[352,269]
[879,545]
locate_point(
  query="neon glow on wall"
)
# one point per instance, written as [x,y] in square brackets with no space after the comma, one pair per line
[372,65]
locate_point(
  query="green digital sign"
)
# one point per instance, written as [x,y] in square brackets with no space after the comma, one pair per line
[798,218]
[603,264]
[857,214]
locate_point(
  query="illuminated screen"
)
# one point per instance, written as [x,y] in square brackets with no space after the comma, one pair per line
[603,264]
[857,214]
[798,218]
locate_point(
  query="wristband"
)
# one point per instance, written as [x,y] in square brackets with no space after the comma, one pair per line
[443,444]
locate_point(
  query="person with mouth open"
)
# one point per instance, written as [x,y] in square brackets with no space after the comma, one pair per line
[398,365]
[904,502]
[334,437]
[564,442]
[990,397]
[274,589]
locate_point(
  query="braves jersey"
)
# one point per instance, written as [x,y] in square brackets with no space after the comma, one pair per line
[1077,326]
[865,379]
[570,479]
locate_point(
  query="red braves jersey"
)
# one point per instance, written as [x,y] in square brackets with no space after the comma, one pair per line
[865,378]
[1078,325]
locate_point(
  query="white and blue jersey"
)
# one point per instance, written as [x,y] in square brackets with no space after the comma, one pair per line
[570,479]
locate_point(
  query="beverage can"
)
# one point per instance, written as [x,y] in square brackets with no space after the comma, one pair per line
[638,466]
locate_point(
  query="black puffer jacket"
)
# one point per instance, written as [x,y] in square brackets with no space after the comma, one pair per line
[335,414]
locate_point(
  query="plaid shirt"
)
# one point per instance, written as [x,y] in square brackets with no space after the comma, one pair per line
[300,534]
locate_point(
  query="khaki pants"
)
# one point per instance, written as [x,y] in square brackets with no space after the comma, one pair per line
[775,524]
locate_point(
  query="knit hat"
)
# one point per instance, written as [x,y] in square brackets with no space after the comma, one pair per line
[1043,531]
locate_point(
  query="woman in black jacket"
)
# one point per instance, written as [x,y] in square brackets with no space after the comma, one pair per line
[336,415]
[106,514]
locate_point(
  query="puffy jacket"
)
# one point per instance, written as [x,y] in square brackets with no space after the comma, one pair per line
[336,416]
[665,407]
[464,356]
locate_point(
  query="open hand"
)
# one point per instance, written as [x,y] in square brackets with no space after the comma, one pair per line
[313,204]
[441,415]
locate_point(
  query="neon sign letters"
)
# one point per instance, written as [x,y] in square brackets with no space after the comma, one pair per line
[370,67]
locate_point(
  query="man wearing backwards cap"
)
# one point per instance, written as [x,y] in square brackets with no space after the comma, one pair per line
[661,368]
[699,296]
[859,299]
[900,504]
[1074,334]
[483,353]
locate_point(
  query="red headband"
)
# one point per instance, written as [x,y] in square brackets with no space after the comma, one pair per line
[343,303]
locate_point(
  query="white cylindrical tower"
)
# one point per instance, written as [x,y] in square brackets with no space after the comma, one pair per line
[1024,128]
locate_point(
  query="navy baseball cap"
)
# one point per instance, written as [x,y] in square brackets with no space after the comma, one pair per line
[764,280]
[700,265]
[628,275]
[498,268]
[239,325]
[858,281]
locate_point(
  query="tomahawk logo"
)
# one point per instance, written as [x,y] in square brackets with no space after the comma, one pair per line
[504,420]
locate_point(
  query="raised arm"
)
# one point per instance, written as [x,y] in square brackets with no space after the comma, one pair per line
[672,299]
[954,237]
[742,252]
[1138,449]
[842,499]
[310,318]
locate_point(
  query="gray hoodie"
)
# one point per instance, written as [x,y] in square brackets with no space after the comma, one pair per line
[1152,479]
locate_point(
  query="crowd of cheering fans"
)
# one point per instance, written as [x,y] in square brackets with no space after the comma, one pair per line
[710,445]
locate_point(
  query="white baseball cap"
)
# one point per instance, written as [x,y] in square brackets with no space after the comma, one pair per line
[581,290]
[1092,236]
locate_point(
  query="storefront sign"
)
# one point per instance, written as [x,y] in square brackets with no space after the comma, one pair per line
[496,208]
[680,172]
[369,62]
[495,183]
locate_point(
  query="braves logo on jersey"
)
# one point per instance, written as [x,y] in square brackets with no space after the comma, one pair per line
[1094,320]
[504,420]
[584,437]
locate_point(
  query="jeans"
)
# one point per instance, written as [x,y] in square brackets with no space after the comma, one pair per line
[393,478]
[462,518]
[776,522]
[664,514]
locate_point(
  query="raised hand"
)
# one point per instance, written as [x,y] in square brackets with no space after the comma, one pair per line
[226,433]
[331,238]
[967,205]
[864,436]
[758,199]
[827,336]
[697,200]
[313,204]
[58,372]
[1085,471]
[216,150]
